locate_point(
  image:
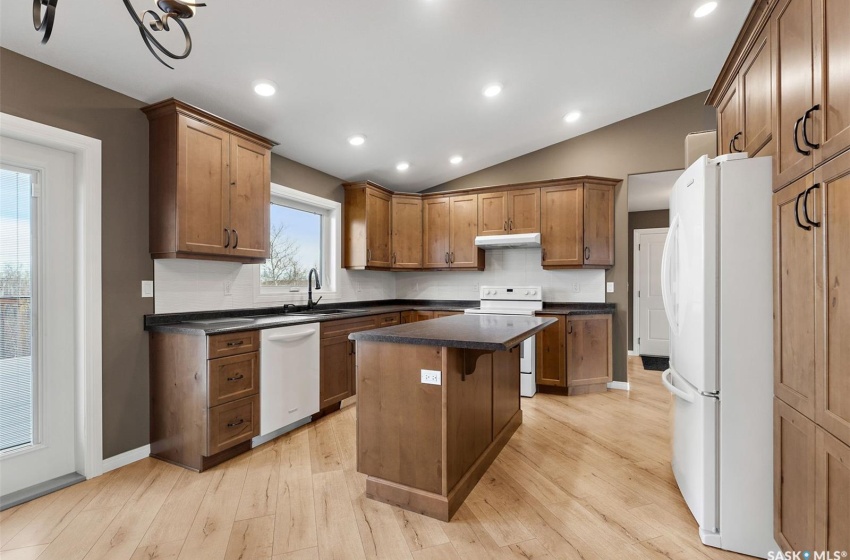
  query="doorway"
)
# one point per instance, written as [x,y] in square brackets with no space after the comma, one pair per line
[652,330]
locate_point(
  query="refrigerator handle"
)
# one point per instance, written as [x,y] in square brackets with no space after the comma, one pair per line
[665,379]
[666,256]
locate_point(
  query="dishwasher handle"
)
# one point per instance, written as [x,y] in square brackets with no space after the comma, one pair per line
[291,337]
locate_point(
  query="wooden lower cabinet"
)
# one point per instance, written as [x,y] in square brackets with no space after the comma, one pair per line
[794,478]
[413,316]
[205,396]
[575,355]
[832,493]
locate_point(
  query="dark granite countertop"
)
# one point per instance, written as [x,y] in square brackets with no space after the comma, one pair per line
[234,320]
[476,332]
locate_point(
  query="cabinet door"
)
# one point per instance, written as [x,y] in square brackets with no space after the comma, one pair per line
[493,213]
[464,227]
[203,188]
[791,38]
[832,493]
[729,122]
[407,232]
[589,353]
[423,315]
[794,304]
[832,77]
[832,389]
[438,314]
[378,229]
[435,221]
[562,225]
[754,81]
[524,211]
[335,383]
[550,363]
[250,198]
[598,225]
[408,317]
[793,478]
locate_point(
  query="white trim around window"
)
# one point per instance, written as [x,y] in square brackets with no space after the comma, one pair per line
[331,251]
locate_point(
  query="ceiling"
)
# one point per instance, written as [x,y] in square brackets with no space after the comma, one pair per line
[406,73]
[651,191]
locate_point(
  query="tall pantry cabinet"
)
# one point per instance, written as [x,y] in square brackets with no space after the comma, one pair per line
[809,108]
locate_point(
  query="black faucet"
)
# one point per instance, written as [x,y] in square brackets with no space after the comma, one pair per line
[310,303]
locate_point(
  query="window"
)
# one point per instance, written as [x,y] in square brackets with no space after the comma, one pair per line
[303,231]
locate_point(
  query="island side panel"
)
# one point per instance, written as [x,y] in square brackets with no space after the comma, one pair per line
[399,418]
[506,378]
[468,375]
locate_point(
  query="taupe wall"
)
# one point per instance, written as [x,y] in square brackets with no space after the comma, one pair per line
[652,141]
[41,93]
[640,220]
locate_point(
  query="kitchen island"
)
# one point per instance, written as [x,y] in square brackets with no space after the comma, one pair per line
[437,401]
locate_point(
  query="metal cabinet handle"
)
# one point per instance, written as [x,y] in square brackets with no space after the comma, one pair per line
[352,349]
[805,134]
[806,205]
[235,343]
[510,224]
[447,257]
[732,146]
[236,377]
[569,327]
[237,423]
[587,253]
[505,227]
[797,212]
[236,236]
[452,257]
[543,253]
[796,134]
[227,234]
[394,259]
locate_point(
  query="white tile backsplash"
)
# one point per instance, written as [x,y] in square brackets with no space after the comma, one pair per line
[183,285]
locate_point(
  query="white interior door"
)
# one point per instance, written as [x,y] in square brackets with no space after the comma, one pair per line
[653,333]
[37,356]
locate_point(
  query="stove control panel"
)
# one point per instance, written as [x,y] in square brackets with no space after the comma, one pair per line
[511,293]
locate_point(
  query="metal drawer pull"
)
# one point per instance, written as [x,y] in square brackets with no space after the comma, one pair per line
[227,233]
[237,423]
[805,134]
[806,205]
[587,253]
[796,135]
[236,236]
[235,343]
[452,257]
[506,226]
[236,377]
[797,212]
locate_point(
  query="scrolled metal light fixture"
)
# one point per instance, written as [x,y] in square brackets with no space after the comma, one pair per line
[147,21]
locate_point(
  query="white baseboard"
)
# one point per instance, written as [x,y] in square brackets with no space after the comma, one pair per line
[126,458]
[619,385]
[633,353]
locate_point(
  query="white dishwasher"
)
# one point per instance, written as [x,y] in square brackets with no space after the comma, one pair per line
[289,378]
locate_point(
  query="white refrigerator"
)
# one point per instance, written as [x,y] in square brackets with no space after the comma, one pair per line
[718,294]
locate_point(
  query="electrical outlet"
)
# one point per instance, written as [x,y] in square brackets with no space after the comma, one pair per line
[228,287]
[610,287]
[432,376]
[147,288]
[576,287]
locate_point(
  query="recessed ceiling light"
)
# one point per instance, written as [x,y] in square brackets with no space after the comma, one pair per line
[454,160]
[357,140]
[705,9]
[265,88]
[492,90]
[572,116]
[402,166]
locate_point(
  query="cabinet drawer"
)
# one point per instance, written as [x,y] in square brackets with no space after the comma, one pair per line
[233,423]
[229,344]
[233,377]
[388,319]
[347,326]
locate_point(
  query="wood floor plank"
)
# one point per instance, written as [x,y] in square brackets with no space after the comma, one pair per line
[259,495]
[379,531]
[440,552]
[420,531]
[295,520]
[14,519]
[26,553]
[123,484]
[306,554]
[80,535]
[336,526]
[324,452]
[161,551]
[531,550]
[251,539]
[175,517]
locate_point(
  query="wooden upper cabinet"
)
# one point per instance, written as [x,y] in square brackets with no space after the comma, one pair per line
[562,225]
[791,38]
[729,122]
[755,86]
[210,186]
[524,211]
[493,213]
[435,232]
[795,292]
[831,123]
[367,226]
[407,232]
[829,205]
[463,215]
[598,224]
[250,182]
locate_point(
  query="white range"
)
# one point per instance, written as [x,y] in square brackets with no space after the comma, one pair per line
[514,300]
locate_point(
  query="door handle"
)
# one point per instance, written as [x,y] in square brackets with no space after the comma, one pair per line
[796,135]
[236,236]
[797,211]
[665,379]
[227,234]
[732,146]
[587,253]
[806,205]
[805,134]
[447,257]
[236,377]
[237,423]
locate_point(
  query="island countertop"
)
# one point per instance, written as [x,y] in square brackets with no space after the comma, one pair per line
[474,332]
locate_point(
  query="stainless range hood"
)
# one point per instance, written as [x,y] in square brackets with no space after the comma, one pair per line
[513,241]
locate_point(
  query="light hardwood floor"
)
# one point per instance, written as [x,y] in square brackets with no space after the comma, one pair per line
[584,477]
